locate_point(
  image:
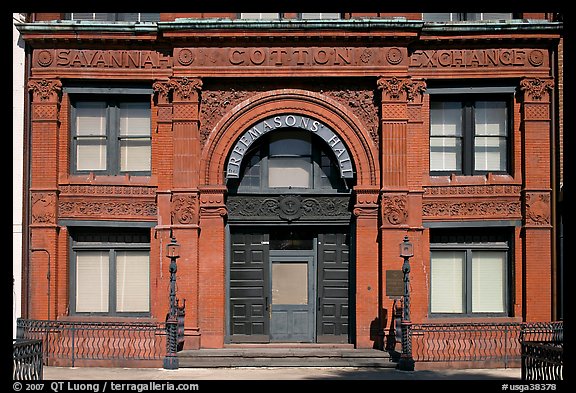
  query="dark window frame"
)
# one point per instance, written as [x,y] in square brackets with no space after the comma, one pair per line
[468,101]
[112,100]
[113,247]
[469,240]
[319,153]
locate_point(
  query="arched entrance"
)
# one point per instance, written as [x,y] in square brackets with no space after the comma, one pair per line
[291,161]
[289,181]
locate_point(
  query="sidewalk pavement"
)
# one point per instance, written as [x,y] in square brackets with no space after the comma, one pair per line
[276,373]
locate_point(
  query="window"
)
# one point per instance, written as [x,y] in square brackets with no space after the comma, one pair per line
[289,160]
[319,15]
[454,17]
[110,271]
[469,137]
[469,272]
[261,15]
[111,135]
[113,17]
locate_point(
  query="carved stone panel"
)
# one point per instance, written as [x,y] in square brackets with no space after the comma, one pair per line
[289,208]
[537,209]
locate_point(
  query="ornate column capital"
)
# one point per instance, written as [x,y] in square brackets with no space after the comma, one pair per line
[398,89]
[45,90]
[536,89]
[162,90]
[186,89]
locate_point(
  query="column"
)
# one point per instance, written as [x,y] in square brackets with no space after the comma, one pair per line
[185,197]
[367,273]
[212,268]
[536,199]
[41,266]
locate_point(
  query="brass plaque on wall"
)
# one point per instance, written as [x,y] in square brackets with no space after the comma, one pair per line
[394,283]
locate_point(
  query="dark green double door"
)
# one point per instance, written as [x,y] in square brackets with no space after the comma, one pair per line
[289,286]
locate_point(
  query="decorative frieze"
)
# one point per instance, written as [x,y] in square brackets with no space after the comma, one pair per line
[214,105]
[289,207]
[537,209]
[477,209]
[106,209]
[362,104]
[43,207]
[184,209]
[394,209]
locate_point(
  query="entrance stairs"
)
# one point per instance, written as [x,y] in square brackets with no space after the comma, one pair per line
[270,355]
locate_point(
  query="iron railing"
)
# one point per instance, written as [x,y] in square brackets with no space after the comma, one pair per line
[543,352]
[498,342]
[66,342]
[27,360]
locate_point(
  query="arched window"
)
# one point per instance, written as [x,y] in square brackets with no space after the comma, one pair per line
[289,160]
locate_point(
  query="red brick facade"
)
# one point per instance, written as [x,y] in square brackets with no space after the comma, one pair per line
[210,83]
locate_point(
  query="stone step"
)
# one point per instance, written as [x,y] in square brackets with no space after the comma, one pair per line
[285,357]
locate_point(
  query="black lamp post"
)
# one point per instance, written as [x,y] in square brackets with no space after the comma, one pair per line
[406,361]
[171,358]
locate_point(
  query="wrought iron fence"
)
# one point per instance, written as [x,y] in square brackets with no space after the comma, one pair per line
[27,360]
[542,361]
[66,342]
[500,342]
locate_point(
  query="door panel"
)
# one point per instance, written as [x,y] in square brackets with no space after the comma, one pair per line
[249,288]
[333,288]
[292,317]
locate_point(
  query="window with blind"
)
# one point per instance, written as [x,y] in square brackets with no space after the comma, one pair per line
[110,272]
[115,17]
[469,136]
[111,135]
[474,16]
[469,272]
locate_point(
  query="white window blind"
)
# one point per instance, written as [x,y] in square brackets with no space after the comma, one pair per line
[447,285]
[490,136]
[260,15]
[445,136]
[135,144]
[92,278]
[320,15]
[132,281]
[488,275]
[91,136]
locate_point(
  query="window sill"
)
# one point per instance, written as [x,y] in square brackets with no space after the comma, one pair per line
[468,319]
[125,179]
[488,179]
[104,318]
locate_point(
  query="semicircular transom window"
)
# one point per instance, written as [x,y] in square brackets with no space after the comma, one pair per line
[289,160]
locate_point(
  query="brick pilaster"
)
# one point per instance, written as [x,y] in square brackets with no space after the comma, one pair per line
[536,199]
[46,96]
